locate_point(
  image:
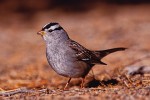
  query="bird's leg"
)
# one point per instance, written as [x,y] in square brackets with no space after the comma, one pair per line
[82,84]
[67,83]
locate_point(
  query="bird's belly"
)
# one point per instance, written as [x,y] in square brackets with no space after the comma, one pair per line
[69,68]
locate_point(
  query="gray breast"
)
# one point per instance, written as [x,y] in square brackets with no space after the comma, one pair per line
[62,60]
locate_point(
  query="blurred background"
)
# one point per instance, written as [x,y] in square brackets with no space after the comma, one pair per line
[96,24]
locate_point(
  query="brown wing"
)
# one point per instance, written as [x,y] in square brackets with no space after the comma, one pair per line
[84,54]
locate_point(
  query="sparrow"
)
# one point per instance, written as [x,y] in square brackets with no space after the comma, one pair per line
[67,57]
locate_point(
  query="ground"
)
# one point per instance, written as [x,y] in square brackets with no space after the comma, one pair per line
[24,68]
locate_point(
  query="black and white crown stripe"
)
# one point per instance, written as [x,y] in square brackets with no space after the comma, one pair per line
[51,27]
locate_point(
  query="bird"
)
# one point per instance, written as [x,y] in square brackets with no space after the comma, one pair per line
[67,57]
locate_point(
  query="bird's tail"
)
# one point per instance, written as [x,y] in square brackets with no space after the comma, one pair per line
[102,53]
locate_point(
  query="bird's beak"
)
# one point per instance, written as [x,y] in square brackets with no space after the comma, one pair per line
[41,33]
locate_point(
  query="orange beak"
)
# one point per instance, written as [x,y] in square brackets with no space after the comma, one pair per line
[41,33]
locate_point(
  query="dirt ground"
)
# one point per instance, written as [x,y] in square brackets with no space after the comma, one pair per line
[24,68]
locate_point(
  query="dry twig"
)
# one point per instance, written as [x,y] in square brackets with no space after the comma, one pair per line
[15,91]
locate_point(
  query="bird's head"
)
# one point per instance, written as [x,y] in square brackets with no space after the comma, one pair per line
[52,30]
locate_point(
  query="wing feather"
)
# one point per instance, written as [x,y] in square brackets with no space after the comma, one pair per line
[83,54]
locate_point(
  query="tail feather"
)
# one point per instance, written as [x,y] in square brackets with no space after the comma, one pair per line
[104,53]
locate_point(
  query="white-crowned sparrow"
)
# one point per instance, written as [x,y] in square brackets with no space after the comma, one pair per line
[67,57]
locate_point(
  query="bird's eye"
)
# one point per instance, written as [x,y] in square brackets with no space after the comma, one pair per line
[50,30]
